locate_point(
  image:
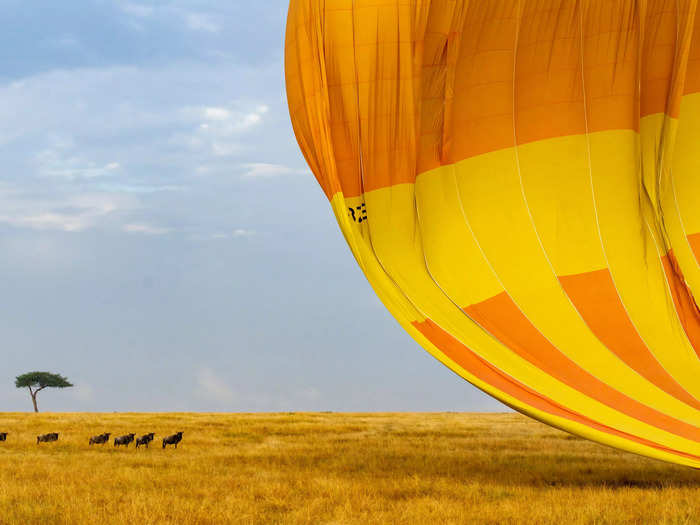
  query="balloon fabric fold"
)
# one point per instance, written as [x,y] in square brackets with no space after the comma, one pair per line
[520,183]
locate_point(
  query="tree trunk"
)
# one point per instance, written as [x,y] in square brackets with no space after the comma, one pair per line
[33,394]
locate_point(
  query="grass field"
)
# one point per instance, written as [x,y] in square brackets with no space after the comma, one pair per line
[330,468]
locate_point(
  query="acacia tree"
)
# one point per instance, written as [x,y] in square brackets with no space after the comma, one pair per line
[37,381]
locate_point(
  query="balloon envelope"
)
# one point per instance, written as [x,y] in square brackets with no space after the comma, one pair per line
[520,183]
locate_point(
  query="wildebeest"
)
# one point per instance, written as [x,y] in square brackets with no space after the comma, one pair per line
[3,436]
[145,439]
[172,440]
[45,438]
[124,440]
[101,439]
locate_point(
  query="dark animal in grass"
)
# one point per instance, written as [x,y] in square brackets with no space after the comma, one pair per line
[124,440]
[3,436]
[101,439]
[145,439]
[46,438]
[172,440]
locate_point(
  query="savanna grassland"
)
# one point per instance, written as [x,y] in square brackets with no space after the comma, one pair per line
[330,468]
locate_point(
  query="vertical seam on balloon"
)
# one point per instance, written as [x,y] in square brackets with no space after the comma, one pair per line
[597,218]
[360,156]
[359,119]
[669,294]
[678,212]
[657,206]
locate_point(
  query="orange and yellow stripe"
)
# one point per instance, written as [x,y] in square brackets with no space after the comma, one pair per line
[520,182]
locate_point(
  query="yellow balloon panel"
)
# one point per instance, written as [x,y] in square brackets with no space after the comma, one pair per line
[518,180]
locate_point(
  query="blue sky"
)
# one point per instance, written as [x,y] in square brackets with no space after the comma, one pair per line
[164,244]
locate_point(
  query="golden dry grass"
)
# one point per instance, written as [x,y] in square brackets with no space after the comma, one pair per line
[331,468]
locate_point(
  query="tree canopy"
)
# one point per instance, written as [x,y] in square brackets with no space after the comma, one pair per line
[42,380]
[37,381]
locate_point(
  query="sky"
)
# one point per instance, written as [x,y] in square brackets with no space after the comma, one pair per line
[163,242]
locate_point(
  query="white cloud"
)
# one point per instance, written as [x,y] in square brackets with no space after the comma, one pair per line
[238,233]
[146,229]
[219,129]
[230,119]
[138,188]
[214,113]
[135,136]
[48,221]
[122,113]
[262,169]
[224,148]
[61,159]
[70,213]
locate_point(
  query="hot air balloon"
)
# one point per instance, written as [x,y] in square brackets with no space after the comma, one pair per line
[519,180]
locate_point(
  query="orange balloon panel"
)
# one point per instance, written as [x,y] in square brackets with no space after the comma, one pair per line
[520,183]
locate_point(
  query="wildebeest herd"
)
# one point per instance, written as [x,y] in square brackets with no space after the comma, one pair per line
[101,439]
